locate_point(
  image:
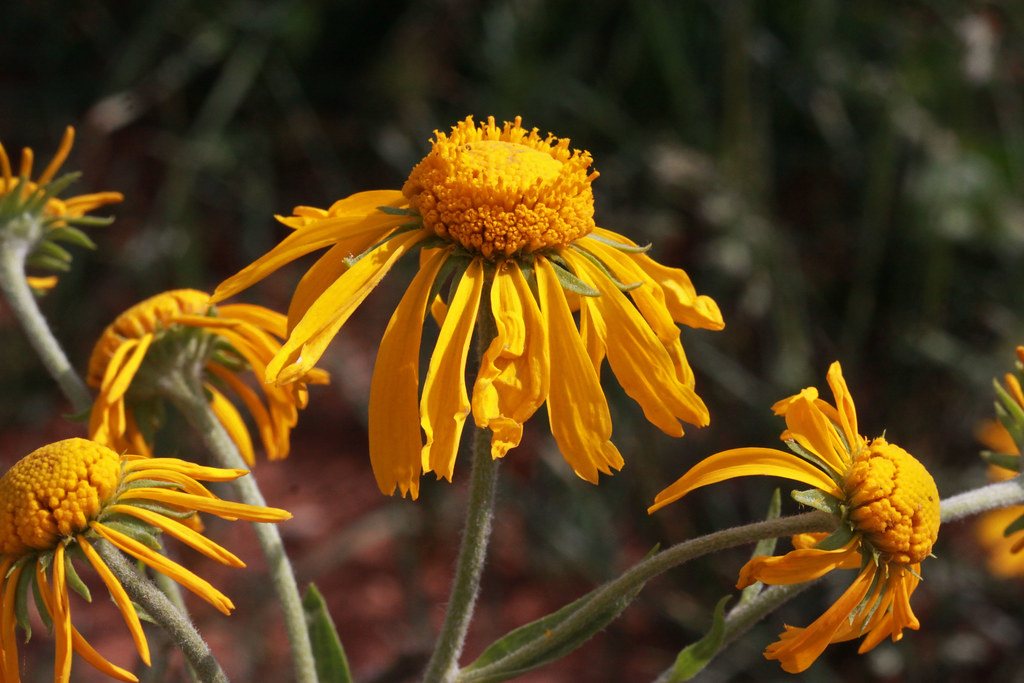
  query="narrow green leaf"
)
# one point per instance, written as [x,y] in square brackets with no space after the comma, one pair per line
[837,539]
[47,262]
[697,655]
[27,578]
[538,636]
[53,250]
[1004,460]
[66,233]
[395,211]
[626,248]
[74,580]
[570,282]
[331,663]
[819,500]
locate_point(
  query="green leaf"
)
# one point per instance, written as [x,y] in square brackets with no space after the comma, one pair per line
[395,211]
[25,580]
[625,248]
[1015,525]
[331,663]
[697,655]
[66,233]
[819,500]
[538,636]
[570,282]
[73,580]
[1004,460]
[53,250]
[38,260]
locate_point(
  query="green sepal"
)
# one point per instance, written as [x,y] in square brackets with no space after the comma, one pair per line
[569,282]
[136,530]
[460,264]
[455,261]
[813,459]
[399,230]
[27,578]
[395,211]
[36,201]
[53,250]
[625,248]
[1011,415]
[88,221]
[837,539]
[819,500]
[41,606]
[47,262]
[73,580]
[328,653]
[1014,526]
[540,630]
[71,235]
[162,509]
[696,656]
[600,265]
[150,483]
[1007,461]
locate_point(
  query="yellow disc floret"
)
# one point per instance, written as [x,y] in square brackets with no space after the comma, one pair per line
[145,317]
[501,191]
[54,492]
[894,501]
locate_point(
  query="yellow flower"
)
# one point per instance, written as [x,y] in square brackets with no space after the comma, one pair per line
[1005,558]
[180,327]
[60,499]
[505,216]
[32,210]
[888,507]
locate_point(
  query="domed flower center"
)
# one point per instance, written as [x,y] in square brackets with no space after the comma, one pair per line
[895,502]
[501,191]
[53,492]
[145,317]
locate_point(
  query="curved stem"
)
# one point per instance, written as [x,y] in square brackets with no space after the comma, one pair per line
[996,495]
[443,666]
[189,399]
[23,304]
[642,572]
[160,608]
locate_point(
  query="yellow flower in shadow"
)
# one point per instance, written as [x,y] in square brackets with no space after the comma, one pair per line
[887,507]
[503,217]
[178,330]
[61,499]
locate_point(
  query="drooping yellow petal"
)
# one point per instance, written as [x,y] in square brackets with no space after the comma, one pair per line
[813,430]
[514,373]
[8,622]
[258,316]
[215,506]
[117,592]
[745,462]
[173,570]
[272,441]
[233,424]
[799,566]
[847,411]
[577,408]
[331,310]
[638,358]
[445,403]
[317,235]
[394,418]
[797,648]
[122,367]
[183,533]
[61,618]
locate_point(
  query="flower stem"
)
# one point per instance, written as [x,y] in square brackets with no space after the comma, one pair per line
[443,666]
[160,608]
[188,397]
[13,252]
[647,569]
[996,495]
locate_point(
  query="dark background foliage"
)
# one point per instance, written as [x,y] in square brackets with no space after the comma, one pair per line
[845,179]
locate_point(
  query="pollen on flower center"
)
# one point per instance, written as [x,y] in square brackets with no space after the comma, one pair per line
[895,502]
[501,191]
[53,492]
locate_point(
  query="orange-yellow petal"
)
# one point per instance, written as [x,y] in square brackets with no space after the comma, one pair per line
[117,592]
[445,403]
[331,310]
[800,565]
[61,618]
[215,506]
[577,408]
[514,373]
[233,424]
[745,462]
[394,418]
[183,533]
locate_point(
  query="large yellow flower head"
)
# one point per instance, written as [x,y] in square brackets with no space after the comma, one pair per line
[30,210]
[1001,532]
[60,499]
[886,503]
[181,329]
[503,216]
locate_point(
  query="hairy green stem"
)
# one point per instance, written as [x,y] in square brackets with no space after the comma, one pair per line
[187,396]
[996,495]
[443,666]
[645,570]
[13,252]
[160,608]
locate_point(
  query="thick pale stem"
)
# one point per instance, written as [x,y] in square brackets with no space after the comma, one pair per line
[13,252]
[443,666]
[160,608]
[188,398]
[644,571]
[988,497]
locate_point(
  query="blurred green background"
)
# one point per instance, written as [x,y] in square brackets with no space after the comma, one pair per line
[845,179]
